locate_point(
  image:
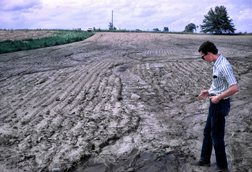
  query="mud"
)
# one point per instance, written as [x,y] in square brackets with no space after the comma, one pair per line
[119,102]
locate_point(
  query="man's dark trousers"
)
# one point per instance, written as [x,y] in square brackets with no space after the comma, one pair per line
[214,133]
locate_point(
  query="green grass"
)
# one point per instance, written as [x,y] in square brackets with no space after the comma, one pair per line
[60,37]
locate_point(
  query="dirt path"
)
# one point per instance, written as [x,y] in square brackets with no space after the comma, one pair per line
[119,102]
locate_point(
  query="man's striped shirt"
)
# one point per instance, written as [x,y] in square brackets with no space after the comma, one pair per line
[223,76]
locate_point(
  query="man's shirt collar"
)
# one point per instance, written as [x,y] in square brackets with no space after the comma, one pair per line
[218,61]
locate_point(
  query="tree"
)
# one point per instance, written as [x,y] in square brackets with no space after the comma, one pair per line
[166,29]
[217,21]
[190,27]
[156,30]
[111,27]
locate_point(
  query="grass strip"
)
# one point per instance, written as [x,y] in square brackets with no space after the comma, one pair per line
[60,37]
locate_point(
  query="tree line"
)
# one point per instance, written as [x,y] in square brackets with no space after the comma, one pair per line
[216,22]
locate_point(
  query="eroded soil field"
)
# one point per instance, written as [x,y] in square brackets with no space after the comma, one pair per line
[119,102]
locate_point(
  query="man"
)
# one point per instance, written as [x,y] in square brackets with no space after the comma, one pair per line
[223,86]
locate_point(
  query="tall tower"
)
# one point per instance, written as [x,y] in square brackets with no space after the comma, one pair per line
[112,21]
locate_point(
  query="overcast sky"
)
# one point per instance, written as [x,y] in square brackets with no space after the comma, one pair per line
[128,14]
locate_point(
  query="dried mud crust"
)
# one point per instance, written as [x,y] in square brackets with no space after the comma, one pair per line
[72,107]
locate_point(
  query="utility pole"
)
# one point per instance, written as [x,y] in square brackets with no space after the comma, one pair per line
[112,21]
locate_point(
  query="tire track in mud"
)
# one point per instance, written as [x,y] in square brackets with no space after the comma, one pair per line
[176,77]
[56,115]
[160,52]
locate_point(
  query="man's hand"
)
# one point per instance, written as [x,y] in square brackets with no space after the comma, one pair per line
[214,99]
[203,95]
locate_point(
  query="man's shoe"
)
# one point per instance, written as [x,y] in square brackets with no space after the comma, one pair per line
[217,169]
[201,163]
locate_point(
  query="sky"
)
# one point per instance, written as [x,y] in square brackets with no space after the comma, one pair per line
[127,14]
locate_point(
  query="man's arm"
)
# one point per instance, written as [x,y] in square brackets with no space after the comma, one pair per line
[231,91]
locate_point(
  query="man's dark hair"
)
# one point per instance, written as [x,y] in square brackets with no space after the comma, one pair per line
[208,47]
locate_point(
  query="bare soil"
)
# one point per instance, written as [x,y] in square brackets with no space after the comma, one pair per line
[119,102]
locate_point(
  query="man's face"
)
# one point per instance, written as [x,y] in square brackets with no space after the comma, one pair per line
[205,57]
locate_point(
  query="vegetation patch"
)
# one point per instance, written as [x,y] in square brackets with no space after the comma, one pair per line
[60,37]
